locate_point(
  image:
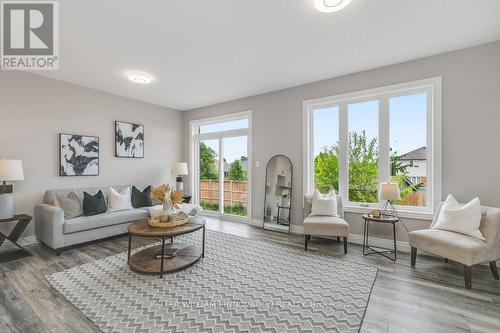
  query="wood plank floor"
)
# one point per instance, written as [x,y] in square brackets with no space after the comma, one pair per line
[430,298]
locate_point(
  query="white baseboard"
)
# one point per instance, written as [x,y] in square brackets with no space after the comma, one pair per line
[380,242]
[353,238]
[297,229]
[256,223]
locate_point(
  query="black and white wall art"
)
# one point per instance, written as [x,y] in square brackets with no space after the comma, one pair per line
[129,140]
[78,155]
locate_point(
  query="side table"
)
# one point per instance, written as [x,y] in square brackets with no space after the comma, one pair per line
[367,249]
[23,221]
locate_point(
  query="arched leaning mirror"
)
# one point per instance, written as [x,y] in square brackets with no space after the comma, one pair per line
[278,194]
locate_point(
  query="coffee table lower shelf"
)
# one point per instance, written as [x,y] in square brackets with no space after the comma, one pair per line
[147,261]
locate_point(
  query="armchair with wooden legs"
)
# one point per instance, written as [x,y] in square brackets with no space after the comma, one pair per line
[460,248]
[328,226]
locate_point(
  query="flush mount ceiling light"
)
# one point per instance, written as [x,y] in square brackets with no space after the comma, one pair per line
[330,6]
[140,78]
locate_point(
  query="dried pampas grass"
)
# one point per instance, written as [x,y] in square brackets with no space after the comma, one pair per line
[166,194]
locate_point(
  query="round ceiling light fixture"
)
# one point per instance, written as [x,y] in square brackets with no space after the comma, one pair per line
[330,6]
[140,78]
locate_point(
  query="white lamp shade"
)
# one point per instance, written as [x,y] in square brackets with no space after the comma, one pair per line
[180,169]
[11,170]
[389,191]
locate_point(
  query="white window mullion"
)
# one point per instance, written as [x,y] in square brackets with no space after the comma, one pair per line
[343,152]
[221,176]
[430,150]
[384,159]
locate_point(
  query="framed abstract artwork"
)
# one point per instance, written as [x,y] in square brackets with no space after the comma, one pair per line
[129,140]
[78,155]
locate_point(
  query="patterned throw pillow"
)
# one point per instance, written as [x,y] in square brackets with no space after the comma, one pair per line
[141,199]
[70,204]
[93,204]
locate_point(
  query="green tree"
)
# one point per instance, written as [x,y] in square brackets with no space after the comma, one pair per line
[326,169]
[363,168]
[236,172]
[397,166]
[207,162]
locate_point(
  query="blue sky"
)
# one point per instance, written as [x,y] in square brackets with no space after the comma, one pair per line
[407,117]
[234,147]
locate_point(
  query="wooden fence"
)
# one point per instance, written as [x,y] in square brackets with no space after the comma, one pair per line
[235,192]
[416,199]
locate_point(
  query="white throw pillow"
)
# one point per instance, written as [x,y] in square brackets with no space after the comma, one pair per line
[155,211]
[119,201]
[324,205]
[463,219]
[190,209]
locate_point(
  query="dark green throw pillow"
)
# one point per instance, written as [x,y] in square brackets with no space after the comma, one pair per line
[93,204]
[141,199]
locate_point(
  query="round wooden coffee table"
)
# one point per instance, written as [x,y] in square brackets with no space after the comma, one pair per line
[165,257]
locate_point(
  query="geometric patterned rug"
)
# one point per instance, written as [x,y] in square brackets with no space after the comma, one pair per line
[241,285]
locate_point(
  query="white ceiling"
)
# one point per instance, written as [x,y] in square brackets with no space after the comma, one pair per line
[205,52]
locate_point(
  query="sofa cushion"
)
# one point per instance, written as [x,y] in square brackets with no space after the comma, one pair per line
[119,200]
[451,245]
[93,204]
[125,216]
[326,226]
[70,204]
[141,199]
[83,223]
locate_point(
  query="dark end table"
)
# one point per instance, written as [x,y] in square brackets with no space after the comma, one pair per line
[23,221]
[367,249]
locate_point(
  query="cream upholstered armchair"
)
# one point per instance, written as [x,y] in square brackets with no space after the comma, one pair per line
[325,225]
[464,249]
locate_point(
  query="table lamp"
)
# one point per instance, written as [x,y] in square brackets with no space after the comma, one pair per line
[389,192]
[10,170]
[179,169]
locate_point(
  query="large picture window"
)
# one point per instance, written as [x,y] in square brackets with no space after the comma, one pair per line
[356,141]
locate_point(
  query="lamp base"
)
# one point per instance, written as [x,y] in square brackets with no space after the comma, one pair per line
[6,206]
[179,186]
[389,210]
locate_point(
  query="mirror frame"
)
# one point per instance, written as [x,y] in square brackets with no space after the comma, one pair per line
[291,194]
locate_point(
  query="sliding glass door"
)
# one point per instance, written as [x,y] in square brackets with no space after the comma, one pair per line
[222,168]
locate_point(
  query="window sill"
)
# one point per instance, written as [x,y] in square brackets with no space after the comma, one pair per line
[402,213]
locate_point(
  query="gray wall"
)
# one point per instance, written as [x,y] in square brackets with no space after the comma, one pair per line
[471,125]
[34,110]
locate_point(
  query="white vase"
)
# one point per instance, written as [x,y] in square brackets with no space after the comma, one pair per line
[167,209]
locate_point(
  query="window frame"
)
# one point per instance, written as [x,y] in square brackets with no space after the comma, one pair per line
[195,138]
[433,88]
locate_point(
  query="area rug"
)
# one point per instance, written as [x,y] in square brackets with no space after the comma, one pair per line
[241,285]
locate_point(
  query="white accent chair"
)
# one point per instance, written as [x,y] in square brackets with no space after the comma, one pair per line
[327,226]
[464,249]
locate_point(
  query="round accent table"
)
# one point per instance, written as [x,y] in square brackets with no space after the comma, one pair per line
[164,258]
[376,220]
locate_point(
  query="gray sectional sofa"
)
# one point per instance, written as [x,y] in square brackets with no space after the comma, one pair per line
[53,230]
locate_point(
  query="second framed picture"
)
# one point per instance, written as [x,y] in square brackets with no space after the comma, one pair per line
[129,140]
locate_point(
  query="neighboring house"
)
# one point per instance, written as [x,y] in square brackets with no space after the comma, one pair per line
[416,160]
